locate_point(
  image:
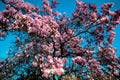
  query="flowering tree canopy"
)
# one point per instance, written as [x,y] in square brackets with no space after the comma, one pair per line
[51,45]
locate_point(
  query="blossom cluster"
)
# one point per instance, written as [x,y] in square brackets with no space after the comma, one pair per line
[79,60]
[95,66]
[53,66]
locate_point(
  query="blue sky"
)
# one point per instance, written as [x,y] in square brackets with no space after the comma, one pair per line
[67,6]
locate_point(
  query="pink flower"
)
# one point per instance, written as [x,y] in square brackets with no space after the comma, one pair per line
[79,2]
[64,35]
[57,14]
[57,53]
[57,71]
[93,16]
[104,19]
[93,63]
[46,72]
[12,1]
[116,73]
[46,6]
[1,66]
[47,28]
[44,33]
[110,67]
[111,50]
[53,66]
[60,71]
[57,35]
[54,24]
[79,60]
[71,31]
[89,51]
[50,59]
[111,13]
[111,37]
[75,14]
[44,47]
[2,34]
[46,2]
[34,63]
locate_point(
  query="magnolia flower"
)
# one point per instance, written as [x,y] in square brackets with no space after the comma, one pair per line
[93,16]
[1,66]
[111,37]
[2,34]
[111,13]
[79,2]
[46,6]
[50,59]
[47,28]
[46,72]
[93,62]
[57,53]
[110,67]
[57,71]
[104,19]
[57,14]
[79,60]
[57,35]
[116,72]
[34,63]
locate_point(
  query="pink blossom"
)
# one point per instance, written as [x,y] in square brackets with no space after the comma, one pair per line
[2,34]
[95,65]
[57,53]
[111,37]
[71,31]
[93,16]
[46,6]
[42,58]
[64,35]
[53,66]
[111,50]
[58,71]
[57,14]
[12,1]
[116,73]
[47,28]
[1,66]
[57,35]
[93,62]
[89,51]
[110,67]
[79,60]
[50,59]
[79,2]
[111,13]
[46,2]
[75,14]
[47,48]
[34,63]
[104,19]
[54,24]
[46,72]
